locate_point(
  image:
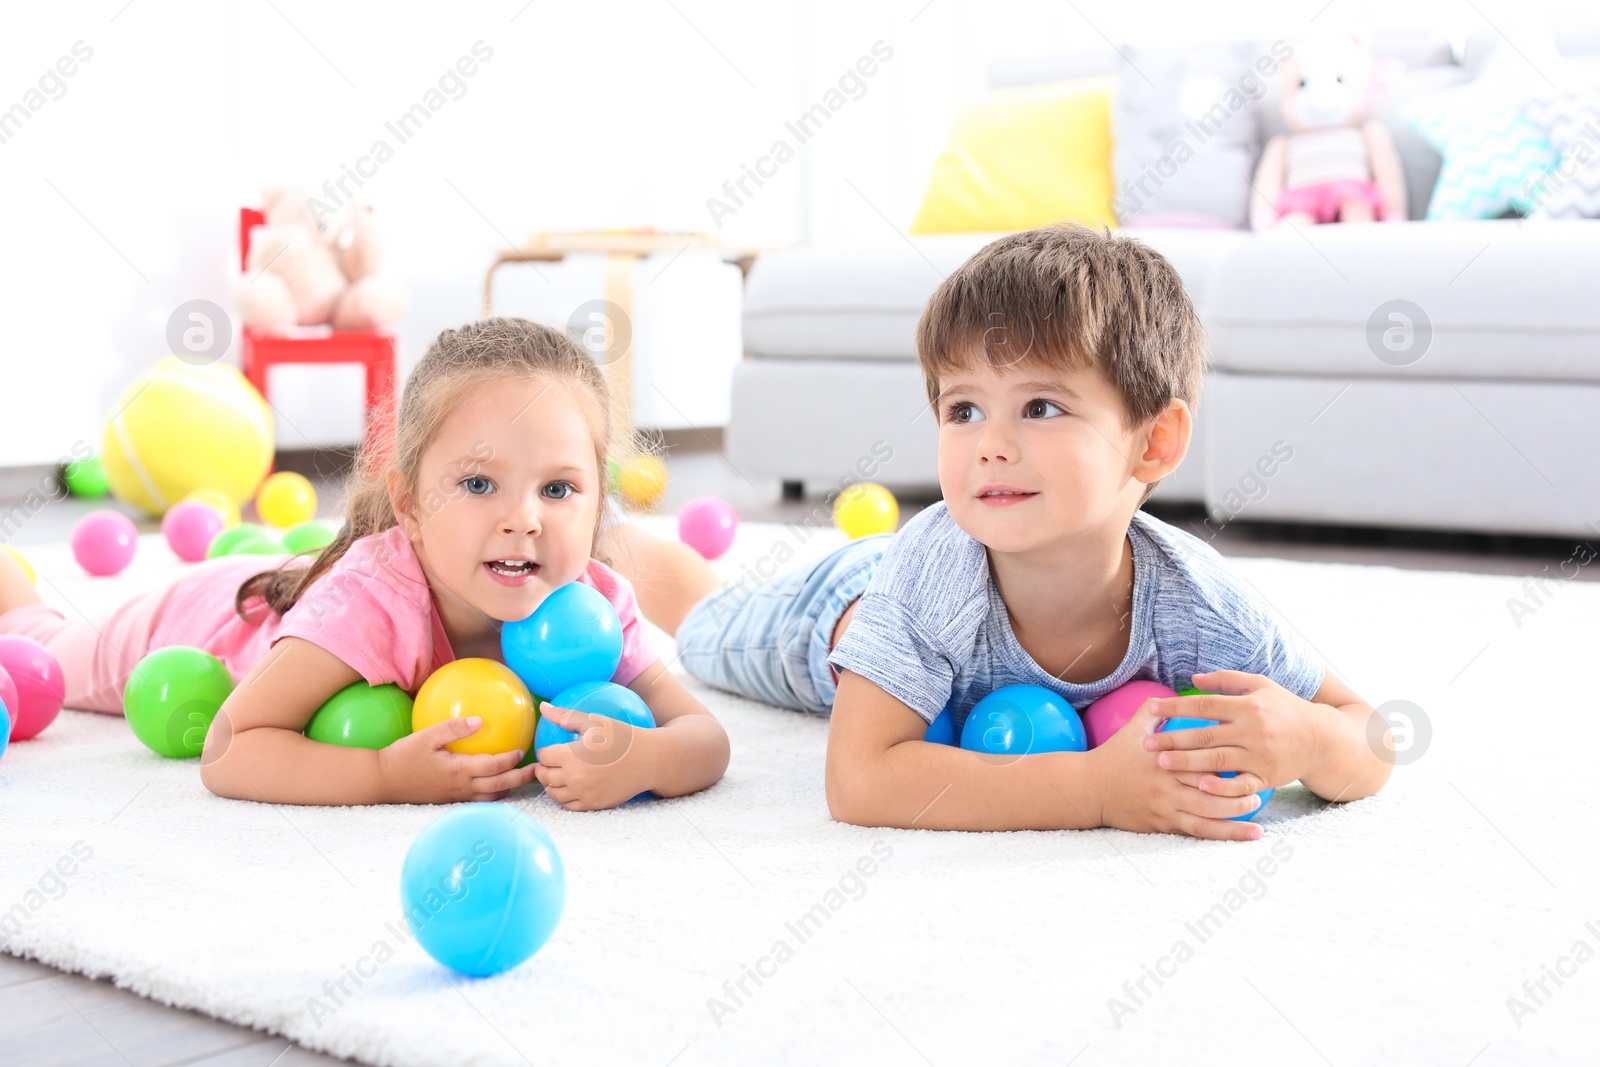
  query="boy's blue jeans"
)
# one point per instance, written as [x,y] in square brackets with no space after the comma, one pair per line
[771,642]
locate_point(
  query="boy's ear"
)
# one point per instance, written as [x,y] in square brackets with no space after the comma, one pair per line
[1166,442]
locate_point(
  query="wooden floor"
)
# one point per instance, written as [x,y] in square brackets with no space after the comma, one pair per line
[48,1017]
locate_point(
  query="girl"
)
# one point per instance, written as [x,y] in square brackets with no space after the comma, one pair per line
[490,497]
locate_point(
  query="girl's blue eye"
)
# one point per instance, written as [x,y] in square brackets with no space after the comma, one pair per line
[477,484]
[963,411]
[559,490]
[1041,409]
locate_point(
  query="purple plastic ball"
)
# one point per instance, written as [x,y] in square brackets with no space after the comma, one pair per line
[707,525]
[103,542]
[189,528]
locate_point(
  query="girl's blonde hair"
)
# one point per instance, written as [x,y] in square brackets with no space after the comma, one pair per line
[457,362]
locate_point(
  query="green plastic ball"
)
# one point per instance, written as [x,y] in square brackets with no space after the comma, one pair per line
[86,478]
[247,538]
[362,716]
[613,475]
[529,755]
[171,698]
[308,537]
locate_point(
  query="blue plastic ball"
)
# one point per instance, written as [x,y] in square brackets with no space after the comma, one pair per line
[593,698]
[1183,723]
[5,728]
[1021,719]
[574,636]
[942,730]
[482,888]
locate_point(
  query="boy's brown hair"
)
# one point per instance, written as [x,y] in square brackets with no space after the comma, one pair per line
[1068,297]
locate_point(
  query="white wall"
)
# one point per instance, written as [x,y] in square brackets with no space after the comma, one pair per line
[121,196]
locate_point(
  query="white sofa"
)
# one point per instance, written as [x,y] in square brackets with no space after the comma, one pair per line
[1495,427]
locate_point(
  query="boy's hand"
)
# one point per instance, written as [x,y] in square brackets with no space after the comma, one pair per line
[1263,731]
[606,765]
[1139,795]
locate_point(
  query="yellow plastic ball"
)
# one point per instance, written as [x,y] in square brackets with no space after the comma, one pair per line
[482,687]
[286,499]
[642,480]
[864,509]
[181,427]
[218,501]
[20,558]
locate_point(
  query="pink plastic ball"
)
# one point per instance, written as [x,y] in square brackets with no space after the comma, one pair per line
[103,542]
[707,525]
[1108,714]
[189,528]
[8,694]
[41,687]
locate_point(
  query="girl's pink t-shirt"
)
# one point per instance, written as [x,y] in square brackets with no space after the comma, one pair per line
[372,609]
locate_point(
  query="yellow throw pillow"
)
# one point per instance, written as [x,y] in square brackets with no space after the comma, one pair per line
[1023,158]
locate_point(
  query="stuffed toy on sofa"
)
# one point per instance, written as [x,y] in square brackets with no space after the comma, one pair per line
[1335,164]
[303,271]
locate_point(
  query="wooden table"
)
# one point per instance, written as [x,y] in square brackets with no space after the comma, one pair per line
[623,250]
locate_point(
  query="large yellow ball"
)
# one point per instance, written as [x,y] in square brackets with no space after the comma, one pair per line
[181,427]
[218,501]
[866,508]
[482,687]
[286,499]
[27,567]
[642,480]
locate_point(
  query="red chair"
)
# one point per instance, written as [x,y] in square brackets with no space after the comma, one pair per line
[261,350]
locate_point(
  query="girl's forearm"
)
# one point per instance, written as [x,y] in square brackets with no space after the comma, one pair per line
[279,766]
[1351,768]
[684,755]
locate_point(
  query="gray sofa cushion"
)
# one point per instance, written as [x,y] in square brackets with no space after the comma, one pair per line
[1503,299]
[822,302]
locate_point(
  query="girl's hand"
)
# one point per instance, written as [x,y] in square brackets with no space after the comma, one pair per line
[1139,795]
[1263,732]
[607,764]
[419,769]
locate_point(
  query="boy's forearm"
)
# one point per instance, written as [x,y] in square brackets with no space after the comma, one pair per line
[918,785]
[684,755]
[1350,768]
[278,766]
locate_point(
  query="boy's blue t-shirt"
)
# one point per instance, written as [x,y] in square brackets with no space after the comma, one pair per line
[932,629]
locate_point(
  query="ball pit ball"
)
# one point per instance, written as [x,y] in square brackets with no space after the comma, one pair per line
[286,499]
[1185,723]
[180,427]
[864,509]
[171,698]
[27,568]
[466,687]
[190,527]
[482,888]
[942,730]
[574,636]
[310,536]
[1111,712]
[244,539]
[10,701]
[86,478]
[362,716]
[613,475]
[1020,720]
[103,542]
[40,686]
[642,480]
[707,524]
[5,729]
[594,698]
[224,505]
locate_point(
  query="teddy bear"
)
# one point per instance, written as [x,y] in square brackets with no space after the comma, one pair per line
[1336,164]
[303,270]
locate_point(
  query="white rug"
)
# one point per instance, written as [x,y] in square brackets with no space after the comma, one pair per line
[1391,930]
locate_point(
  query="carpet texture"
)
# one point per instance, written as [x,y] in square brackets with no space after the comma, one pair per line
[1414,927]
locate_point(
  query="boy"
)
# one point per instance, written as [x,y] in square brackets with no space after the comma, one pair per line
[1062,364]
